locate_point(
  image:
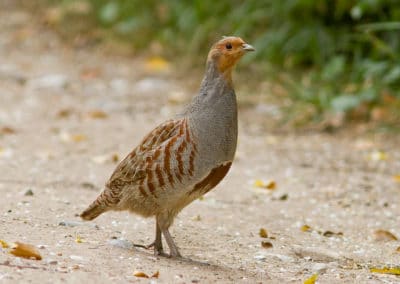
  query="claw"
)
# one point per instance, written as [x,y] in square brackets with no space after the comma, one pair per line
[144,246]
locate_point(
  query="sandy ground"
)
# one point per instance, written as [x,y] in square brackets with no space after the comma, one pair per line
[66,115]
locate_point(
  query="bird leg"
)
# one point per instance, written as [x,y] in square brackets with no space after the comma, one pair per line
[156,244]
[173,250]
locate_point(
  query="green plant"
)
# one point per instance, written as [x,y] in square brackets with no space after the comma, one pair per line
[348,51]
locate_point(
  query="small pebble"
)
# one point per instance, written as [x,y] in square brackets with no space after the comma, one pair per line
[52,262]
[125,244]
[29,192]
[319,267]
[69,223]
[88,185]
[76,257]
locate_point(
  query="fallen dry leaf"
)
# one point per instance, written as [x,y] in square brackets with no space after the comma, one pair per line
[25,251]
[305,228]
[78,137]
[78,239]
[7,130]
[90,73]
[386,270]
[196,218]
[383,235]
[396,178]
[140,274]
[266,245]
[67,137]
[157,64]
[88,185]
[64,113]
[97,114]
[115,158]
[283,197]
[263,233]
[331,234]
[398,249]
[4,244]
[102,159]
[311,280]
[378,156]
[271,185]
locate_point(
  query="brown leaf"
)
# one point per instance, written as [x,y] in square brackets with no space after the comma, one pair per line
[271,185]
[305,228]
[331,234]
[7,130]
[90,73]
[396,178]
[196,218]
[266,245]
[156,274]
[97,114]
[25,250]
[398,249]
[140,274]
[284,197]
[383,235]
[78,137]
[115,158]
[263,233]
[64,113]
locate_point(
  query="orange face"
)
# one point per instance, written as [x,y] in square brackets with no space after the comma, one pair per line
[226,52]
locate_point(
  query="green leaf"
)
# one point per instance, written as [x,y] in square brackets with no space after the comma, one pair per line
[334,68]
[393,76]
[109,12]
[345,103]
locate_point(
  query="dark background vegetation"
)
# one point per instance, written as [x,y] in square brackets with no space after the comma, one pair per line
[333,58]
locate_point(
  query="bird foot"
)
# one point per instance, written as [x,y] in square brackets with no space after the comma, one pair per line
[144,246]
[158,250]
[174,255]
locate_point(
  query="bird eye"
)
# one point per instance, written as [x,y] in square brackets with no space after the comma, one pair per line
[228,46]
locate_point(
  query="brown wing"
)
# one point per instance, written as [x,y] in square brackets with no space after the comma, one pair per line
[211,180]
[131,170]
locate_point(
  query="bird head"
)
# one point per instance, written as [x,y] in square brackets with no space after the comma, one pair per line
[226,53]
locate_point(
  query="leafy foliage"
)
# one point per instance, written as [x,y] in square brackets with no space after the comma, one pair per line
[350,49]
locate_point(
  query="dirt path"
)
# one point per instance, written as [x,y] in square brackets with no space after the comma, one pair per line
[75,111]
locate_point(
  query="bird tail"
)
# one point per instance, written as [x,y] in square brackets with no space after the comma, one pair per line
[97,207]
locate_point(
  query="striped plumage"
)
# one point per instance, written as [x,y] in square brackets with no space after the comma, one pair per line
[183,158]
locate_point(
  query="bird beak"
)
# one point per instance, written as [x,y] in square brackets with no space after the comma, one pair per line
[247,47]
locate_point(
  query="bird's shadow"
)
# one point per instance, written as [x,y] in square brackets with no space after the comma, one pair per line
[130,246]
[181,259]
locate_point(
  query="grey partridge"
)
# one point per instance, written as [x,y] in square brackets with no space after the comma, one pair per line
[183,158]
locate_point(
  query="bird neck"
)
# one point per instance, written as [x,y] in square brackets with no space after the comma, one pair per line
[214,76]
